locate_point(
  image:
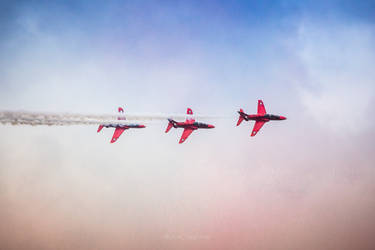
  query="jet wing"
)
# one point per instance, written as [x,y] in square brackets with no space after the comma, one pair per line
[257,126]
[117,133]
[261,108]
[185,134]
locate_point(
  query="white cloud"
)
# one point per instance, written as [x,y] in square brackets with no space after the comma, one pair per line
[339,78]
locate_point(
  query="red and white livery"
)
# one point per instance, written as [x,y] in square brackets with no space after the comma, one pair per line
[260,118]
[189,126]
[120,128]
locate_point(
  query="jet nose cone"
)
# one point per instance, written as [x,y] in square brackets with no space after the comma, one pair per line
[282,118]
[142,126]
[211,126]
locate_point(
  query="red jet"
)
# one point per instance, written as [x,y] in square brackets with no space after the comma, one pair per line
[189,126]
[119,127]
[260,119]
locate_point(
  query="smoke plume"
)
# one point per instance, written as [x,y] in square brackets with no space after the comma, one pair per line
[63,119]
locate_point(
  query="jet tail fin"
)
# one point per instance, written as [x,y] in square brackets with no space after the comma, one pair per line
[189,119]
[121,111]
[240,119]
[189,111]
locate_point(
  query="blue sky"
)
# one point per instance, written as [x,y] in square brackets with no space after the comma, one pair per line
[233,41]
[290,187]
[239,44]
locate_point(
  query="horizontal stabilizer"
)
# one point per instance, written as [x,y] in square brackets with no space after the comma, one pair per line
[170,125]
[240,119]
[100,128]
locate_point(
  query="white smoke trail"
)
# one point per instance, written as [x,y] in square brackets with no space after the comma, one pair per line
[63,119]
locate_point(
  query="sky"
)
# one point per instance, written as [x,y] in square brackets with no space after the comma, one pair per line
[304,183]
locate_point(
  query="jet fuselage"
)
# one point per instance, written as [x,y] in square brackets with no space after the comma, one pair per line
[263,118]
[123,126]
[190,125]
